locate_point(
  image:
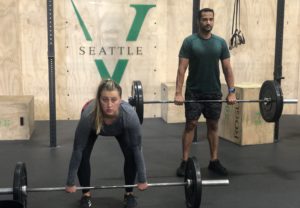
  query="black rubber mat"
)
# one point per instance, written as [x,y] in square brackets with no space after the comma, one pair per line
[261,176]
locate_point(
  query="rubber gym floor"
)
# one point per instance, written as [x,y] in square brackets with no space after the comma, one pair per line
[261,176]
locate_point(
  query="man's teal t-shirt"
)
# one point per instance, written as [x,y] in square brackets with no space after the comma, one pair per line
[204,56]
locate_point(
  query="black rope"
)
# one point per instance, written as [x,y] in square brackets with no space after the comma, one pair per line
[237,37]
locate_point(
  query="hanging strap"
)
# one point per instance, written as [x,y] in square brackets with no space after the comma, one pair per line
[237,37]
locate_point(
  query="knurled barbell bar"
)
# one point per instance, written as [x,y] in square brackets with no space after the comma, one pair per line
[192,185]
[270,100]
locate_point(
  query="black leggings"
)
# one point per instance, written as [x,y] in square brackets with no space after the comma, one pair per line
[84,171]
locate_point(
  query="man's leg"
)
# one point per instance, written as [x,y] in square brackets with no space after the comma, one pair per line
[192,114]
[187,140]
[213,138]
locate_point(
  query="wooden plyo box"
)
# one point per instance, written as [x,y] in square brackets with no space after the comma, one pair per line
[16,117]
[242,123]
[172,113]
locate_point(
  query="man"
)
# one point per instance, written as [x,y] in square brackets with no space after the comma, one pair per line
[108,115]
[201,52]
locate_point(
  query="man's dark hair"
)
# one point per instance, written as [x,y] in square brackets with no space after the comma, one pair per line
[205,10]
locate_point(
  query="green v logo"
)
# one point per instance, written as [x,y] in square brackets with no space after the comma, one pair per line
[118,72]
[141,12]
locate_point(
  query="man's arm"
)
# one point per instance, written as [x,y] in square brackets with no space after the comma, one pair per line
[228,74]
[229,77]
[182,66]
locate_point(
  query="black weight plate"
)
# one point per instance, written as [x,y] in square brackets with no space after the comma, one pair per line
[10,204]
[132,101]
[193,192]
[20,180]
[271,111]
[138,99]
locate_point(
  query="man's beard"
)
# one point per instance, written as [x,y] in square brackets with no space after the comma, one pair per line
[206,29]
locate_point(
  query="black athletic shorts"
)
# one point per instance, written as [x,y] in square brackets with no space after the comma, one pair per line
[193,111]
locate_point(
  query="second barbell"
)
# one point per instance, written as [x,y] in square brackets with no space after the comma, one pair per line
[270,100]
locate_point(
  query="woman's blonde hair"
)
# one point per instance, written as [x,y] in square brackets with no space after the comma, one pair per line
[108,85]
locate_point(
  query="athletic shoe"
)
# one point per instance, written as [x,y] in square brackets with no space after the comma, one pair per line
[216,167]
[85,202]
[180,172]
[129,201]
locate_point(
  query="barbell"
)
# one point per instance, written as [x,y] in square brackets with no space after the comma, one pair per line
[192,185]
[270,100]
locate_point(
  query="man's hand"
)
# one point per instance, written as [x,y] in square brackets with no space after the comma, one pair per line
[178,99]
[231,98]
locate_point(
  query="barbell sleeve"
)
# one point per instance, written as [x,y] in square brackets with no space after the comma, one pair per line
[215,182]
[4,191]
[290,101]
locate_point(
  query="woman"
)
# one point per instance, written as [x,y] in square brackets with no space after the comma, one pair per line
[108,115]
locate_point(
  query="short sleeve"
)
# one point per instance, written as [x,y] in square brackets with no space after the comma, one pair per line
[225,51]
[185,50]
